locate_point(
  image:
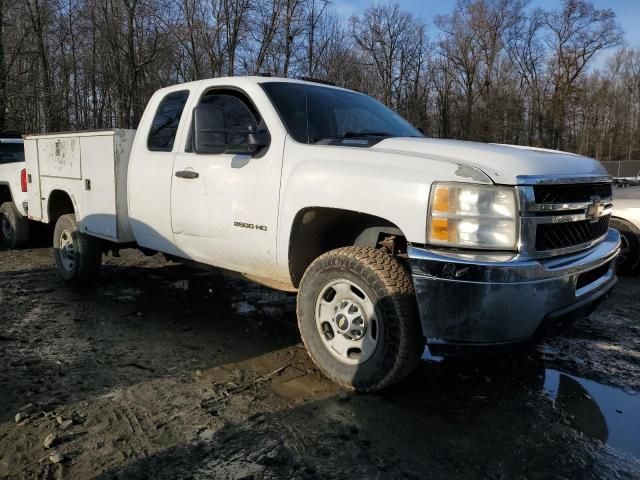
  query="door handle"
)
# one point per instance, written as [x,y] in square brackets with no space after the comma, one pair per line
[188,174]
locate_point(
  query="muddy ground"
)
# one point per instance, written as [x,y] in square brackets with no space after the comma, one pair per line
[163,372]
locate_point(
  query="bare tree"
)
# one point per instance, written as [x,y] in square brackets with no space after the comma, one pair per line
[494,70]
[386,36]
[526,53]
[234,17]
[578,32]
[267,17]
[461,45]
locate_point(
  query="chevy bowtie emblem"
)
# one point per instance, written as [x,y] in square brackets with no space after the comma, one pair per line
[595,209]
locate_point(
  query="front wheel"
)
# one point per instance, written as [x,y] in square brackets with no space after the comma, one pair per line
[14,228]
[357,315]
[78,256]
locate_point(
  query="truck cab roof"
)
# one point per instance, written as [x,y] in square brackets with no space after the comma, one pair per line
[243,81]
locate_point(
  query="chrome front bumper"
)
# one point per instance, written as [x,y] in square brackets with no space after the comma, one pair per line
[483,300]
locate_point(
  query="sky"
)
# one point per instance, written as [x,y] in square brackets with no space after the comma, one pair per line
[627,11]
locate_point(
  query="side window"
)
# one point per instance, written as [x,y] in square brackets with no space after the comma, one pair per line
[165,123]
[239,115]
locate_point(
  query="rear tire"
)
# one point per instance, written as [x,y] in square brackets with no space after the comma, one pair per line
[630,249]
[14,228]
[358,319]
[78,256]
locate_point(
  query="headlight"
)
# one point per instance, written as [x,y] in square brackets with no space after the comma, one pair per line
[472,216]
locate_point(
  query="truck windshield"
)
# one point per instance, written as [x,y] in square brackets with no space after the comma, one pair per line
[11,153]
[316,114]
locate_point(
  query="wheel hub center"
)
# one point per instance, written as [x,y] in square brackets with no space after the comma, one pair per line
[350,320]
[342,323]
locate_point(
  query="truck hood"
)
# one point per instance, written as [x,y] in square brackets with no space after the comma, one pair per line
[503,164]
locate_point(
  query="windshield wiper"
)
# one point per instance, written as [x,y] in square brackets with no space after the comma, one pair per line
[367,134]
[347,135]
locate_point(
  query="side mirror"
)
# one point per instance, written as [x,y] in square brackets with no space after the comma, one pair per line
[209,132]
[257,140]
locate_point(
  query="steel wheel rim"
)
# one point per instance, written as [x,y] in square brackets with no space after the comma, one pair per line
[7,231]
[347,322]
[67,251]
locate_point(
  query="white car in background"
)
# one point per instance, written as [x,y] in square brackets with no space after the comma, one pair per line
[626,219]
[14,225]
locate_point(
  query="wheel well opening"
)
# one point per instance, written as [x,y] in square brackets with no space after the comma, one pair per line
[5,194]
[59,204]
[318,230]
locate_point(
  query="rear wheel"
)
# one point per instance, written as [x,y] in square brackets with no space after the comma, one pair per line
[358,319]
[78,256]
[630,246]
[14,228]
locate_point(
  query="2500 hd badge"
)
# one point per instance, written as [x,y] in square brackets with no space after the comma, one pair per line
[250,226]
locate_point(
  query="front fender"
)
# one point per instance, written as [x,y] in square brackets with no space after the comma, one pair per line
[391,186]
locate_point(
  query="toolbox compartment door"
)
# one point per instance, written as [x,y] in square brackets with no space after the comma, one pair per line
[60,157]
[34,196]
[99,214]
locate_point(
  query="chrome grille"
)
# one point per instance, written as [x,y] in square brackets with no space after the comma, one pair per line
[554,236]
[572,193]
[556,219]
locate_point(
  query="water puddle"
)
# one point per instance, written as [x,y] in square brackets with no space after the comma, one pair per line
[606,413]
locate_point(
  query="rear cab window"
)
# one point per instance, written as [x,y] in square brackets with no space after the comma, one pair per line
[11,151]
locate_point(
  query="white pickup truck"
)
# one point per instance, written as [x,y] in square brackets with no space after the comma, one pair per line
[393,241]
[14,226]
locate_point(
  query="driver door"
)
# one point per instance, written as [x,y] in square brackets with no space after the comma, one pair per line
[224,206]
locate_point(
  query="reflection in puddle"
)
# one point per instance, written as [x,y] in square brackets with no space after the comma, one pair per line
[243,308]
[600,411]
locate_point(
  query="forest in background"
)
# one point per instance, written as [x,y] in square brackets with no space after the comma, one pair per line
[491,70]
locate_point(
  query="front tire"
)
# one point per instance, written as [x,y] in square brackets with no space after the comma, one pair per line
[14,228]
[357,315]
[78,256]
